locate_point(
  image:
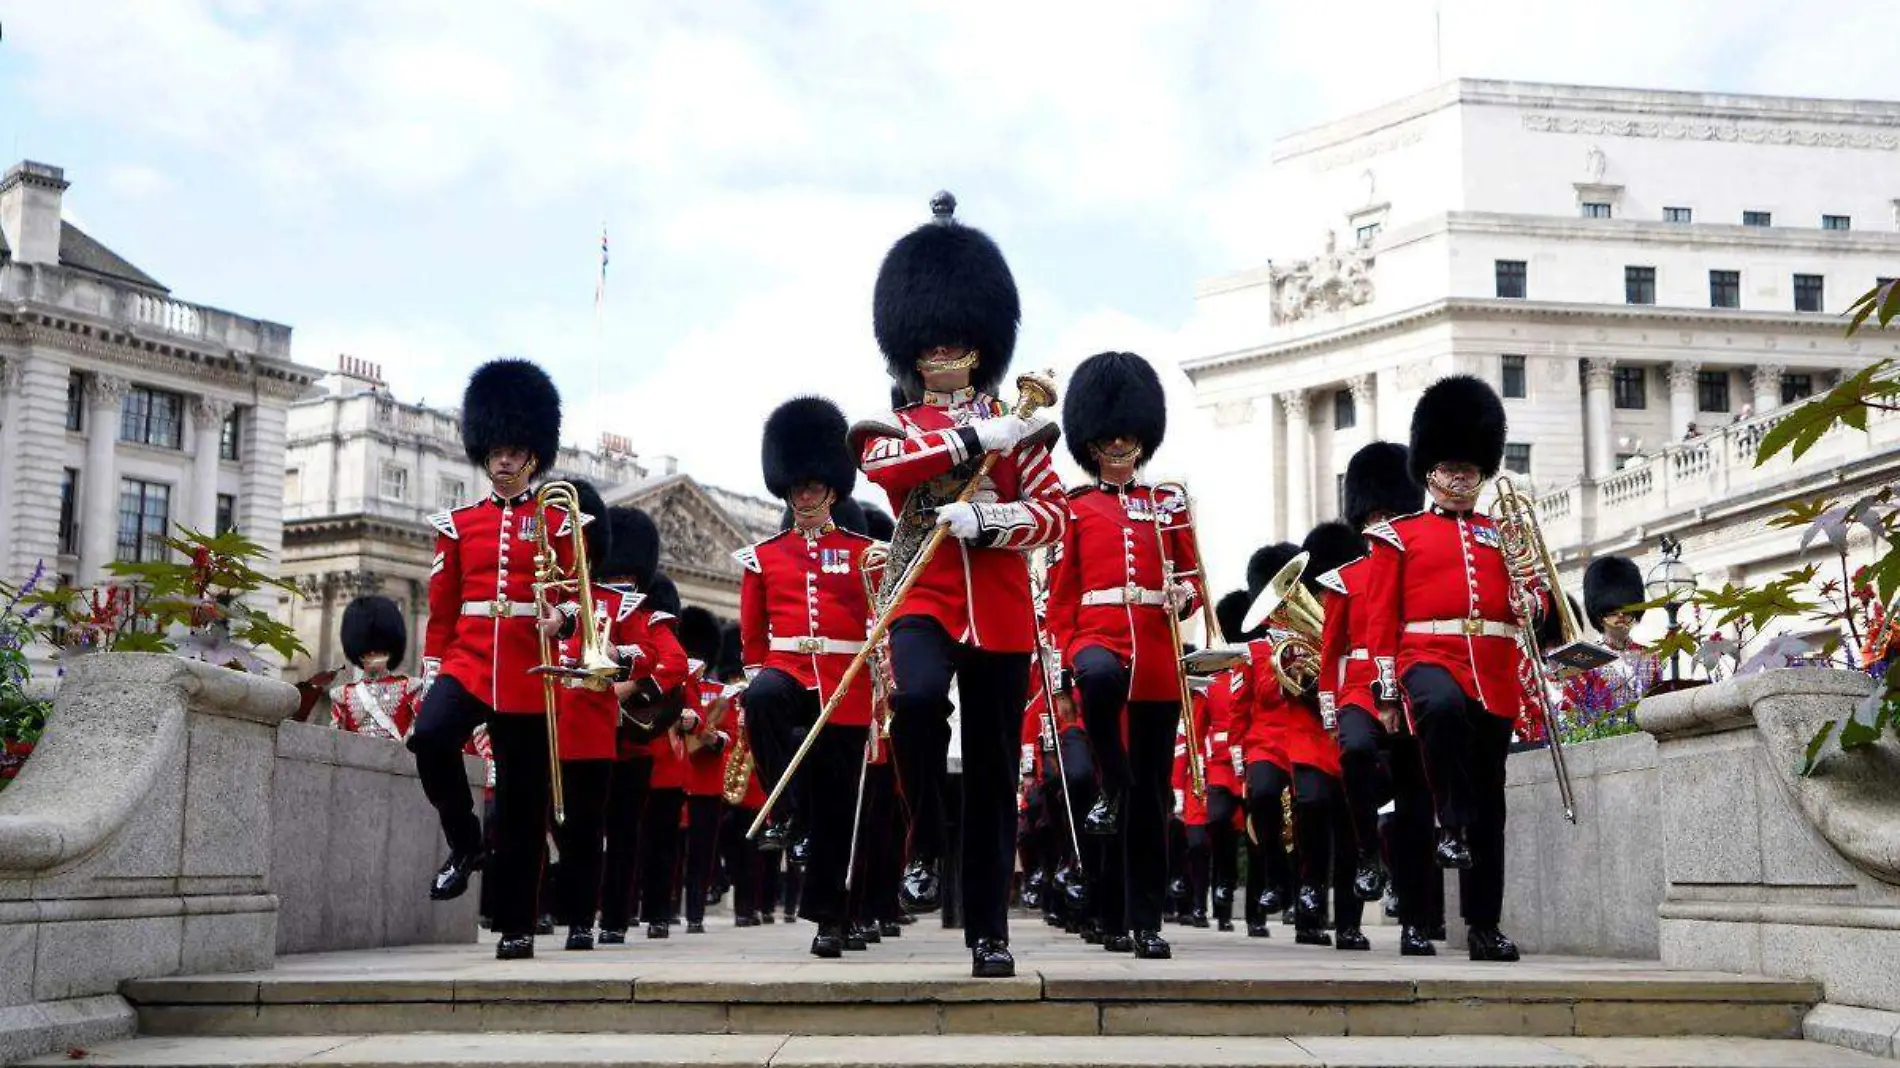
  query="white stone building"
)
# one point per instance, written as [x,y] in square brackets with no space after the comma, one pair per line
[1628,267]
[363,471]
[124,411]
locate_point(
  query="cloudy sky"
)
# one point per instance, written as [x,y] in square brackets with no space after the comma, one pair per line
[424,184]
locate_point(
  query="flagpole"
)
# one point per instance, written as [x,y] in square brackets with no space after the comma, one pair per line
[600,344]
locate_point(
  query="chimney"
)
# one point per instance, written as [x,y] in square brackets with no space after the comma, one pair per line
[29,211]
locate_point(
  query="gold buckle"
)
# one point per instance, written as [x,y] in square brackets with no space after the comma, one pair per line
[1131,594]
[811,646]
[1474,628]
[498,608]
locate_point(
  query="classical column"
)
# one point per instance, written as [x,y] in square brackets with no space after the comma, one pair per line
[1365,402]
[207,420]
[1299,464]
[1766,378]
[12,374]
[1682,382]
[99,516]
[1599,377]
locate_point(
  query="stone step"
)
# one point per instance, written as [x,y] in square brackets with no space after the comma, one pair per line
[781,1051]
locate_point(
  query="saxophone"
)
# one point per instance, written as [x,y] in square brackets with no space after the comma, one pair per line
[738,764]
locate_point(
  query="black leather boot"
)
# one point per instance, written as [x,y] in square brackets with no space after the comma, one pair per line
[921,890]
[580,938]
[890,929]
[1489,944]
[657,930]
[854,938]
[1104,819]
[1413,943]
[829,941]
[1272,900]
[613,937]
[990,959]
[515,947]
[695,927]
[1118,942]
[451,879]
[1351,938]
[1149,945]
[869,932]
[1452,852]
[1368,880]
[1258,930]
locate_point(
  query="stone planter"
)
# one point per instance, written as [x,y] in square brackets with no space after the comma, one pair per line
[1765,871]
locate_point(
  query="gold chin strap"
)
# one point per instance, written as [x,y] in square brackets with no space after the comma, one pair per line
[1126,457]
[944,363]
[1437,482]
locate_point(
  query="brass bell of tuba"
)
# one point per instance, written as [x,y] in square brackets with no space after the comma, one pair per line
[1295,622]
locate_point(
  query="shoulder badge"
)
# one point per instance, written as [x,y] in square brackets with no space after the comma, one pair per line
[1334,581]
[658,618]
[748,558]
[629,600]
[444,523]
[1385,532]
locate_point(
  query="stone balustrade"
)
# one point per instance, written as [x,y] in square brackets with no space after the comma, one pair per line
[143,311]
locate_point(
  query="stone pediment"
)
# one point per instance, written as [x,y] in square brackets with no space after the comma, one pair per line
[696,535]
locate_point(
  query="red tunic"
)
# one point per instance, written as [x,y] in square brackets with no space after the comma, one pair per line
[1444,569]
[706,766]
[1221,741]
[802,610]
[637,628]
[481,600]
[1262,711]
[1107,583]
[978,591]
[1189,809]
[382,707]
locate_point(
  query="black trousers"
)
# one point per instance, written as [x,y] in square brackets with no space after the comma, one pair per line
[444,724]
[1380,767]
[1223,848]
[522,816]
[702,844]
[660,853]
[1265,783]
[825,792]
[585,785]
[1324,843]
[626,804]
[1196,858]
[1135,756]
[778,710]
[1465,747]
[742,859]
[880,863]
[992,689]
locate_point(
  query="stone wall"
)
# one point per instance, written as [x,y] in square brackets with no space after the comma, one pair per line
[354,845]
[1590,889]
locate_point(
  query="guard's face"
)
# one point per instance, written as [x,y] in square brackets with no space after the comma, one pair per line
[509,467]
[375,663]
[1618,623]
[1454,484]
[1121,453]
[947,367]
[811,501]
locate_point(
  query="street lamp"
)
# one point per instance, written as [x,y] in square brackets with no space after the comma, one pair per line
[1672,582]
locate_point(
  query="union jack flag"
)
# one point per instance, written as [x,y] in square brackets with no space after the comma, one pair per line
[600,285]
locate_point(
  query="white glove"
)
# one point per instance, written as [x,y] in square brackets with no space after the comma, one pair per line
[1001,432]
[689,721]
[1180,595]
[961,518]
[1238,758]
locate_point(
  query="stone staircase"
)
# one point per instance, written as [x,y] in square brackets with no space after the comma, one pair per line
[754,997]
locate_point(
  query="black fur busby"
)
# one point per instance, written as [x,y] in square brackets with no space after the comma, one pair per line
[1110,395]
[374,624]
[663,596]
[1230,612]
[1330,545]
[633,547]
[804,440]
[511,402]
[945,283]
[878,524]
[699,634]
[731,662]
[598,531]
[1611,583]
[1265,563]
[1459,419]
[1379,479]
[899,398]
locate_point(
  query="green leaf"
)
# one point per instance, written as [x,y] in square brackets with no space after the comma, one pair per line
[1813,754]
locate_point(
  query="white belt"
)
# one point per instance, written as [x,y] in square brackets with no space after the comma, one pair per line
[1471,628]
[1126,595]
[1358,654]
[815,646]
[497,608]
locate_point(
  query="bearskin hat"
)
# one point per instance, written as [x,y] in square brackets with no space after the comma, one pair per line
[878,524]
[374,624]
[945,283]
[1110,395]
[1458,419]
[511,402]
[1379,479]
[598,531]
[805,440]
[900,398]
[731,662]
[663,596]
[699,634]
[1611,583]
[1265,563]
[1330,545]
[1230,612]
[632,546]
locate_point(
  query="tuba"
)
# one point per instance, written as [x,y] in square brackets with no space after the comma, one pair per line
[1533,577]
[1295,621]
[595,668]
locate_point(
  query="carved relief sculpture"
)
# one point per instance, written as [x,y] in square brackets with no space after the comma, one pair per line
[1331,281]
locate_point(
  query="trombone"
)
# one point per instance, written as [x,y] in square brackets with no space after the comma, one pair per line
[593,668]
[1179,502]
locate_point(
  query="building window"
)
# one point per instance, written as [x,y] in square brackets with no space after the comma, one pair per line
[1807,292]
[1345,410]
[1514,386]
[1725,289]
[1631,384]
[1339,495]
[228,434]
[448,492]
[1511,277]
[1757,218]
[1517,458]
[1366,233]
[395,483]
[293,486]
[1639,285]
[1681,215]
[1595,209]
[1796,388]
[1711,391]
[152,417]
[144,519]
[75,401]
[68,512]
[1837,222]
[227,513]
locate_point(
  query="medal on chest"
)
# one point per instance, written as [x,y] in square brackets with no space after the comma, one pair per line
[835,561]
[530,527]
[1485,536]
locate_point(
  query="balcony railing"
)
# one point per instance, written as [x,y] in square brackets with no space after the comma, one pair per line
[142,311]
[1702,472]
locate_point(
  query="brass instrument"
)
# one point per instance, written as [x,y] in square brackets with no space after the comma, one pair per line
[1180,502]
[1533,576]
[738,765]
[1295,621]
[1034,391]
[1052,725]
[595,668]
[871,564]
